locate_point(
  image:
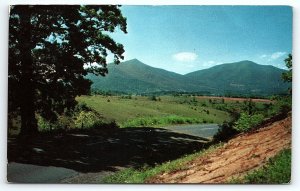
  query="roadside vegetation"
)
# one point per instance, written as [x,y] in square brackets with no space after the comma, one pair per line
[276,171]
[141,175]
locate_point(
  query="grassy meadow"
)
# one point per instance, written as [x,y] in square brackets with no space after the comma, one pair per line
[150,111]
[144,111]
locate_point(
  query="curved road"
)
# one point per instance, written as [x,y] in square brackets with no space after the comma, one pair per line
[28,173]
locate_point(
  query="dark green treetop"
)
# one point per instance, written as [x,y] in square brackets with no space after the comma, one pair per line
[287,76]
[51,49]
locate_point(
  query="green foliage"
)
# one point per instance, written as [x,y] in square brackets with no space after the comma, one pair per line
[283,104]
[87,120]
[276,171]
[225,132]
[160,121]
[153,98]
[131,175]
[246,122]
[45,125]
[82,106]
[288,76]
[48,49]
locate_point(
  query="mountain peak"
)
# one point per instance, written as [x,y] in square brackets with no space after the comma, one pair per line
[247,62]
[133,61]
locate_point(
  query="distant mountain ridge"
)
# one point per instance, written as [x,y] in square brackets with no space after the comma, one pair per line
[244,77]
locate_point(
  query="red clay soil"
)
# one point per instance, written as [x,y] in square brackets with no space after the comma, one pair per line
[235,99]
[241,154]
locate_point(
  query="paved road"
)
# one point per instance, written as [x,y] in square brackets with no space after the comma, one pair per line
[26,173]
[200,130]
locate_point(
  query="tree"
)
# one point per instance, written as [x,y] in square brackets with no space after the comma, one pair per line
[288,76]
[51,49]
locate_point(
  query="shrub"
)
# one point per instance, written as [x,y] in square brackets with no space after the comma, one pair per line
[86,119]
[246,122]
[46,126]
[82,106]
[153,98]
[225,132]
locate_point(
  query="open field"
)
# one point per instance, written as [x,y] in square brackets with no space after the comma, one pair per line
[150,111]
[142,111]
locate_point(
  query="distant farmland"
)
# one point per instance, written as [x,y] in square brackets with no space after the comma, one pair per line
[235,99]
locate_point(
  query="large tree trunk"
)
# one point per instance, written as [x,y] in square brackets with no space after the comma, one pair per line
[27,85]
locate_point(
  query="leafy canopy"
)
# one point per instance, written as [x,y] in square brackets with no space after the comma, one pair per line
[52,48]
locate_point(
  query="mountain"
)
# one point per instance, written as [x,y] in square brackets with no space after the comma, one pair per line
[135,76]
[243,77]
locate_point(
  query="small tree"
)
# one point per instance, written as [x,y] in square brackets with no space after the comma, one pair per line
[288,76]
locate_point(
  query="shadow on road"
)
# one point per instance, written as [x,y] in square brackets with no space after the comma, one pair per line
[101,150]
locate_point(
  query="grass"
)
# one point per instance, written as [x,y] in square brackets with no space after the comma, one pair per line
[138,109]
[276,171]
[131,175]
[162,121]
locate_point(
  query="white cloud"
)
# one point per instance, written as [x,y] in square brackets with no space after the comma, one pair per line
[272,57]
[263,56]
[185,56]
[210,63]
[276,55]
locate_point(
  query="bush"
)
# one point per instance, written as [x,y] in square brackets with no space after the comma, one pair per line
[153,98]
[86,120]
[246,122]
[45,125]
[225,132]
[82,106]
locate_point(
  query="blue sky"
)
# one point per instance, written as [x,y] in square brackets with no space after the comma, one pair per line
[183,39]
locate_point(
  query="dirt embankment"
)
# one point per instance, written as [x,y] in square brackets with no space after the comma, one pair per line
[239,155]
